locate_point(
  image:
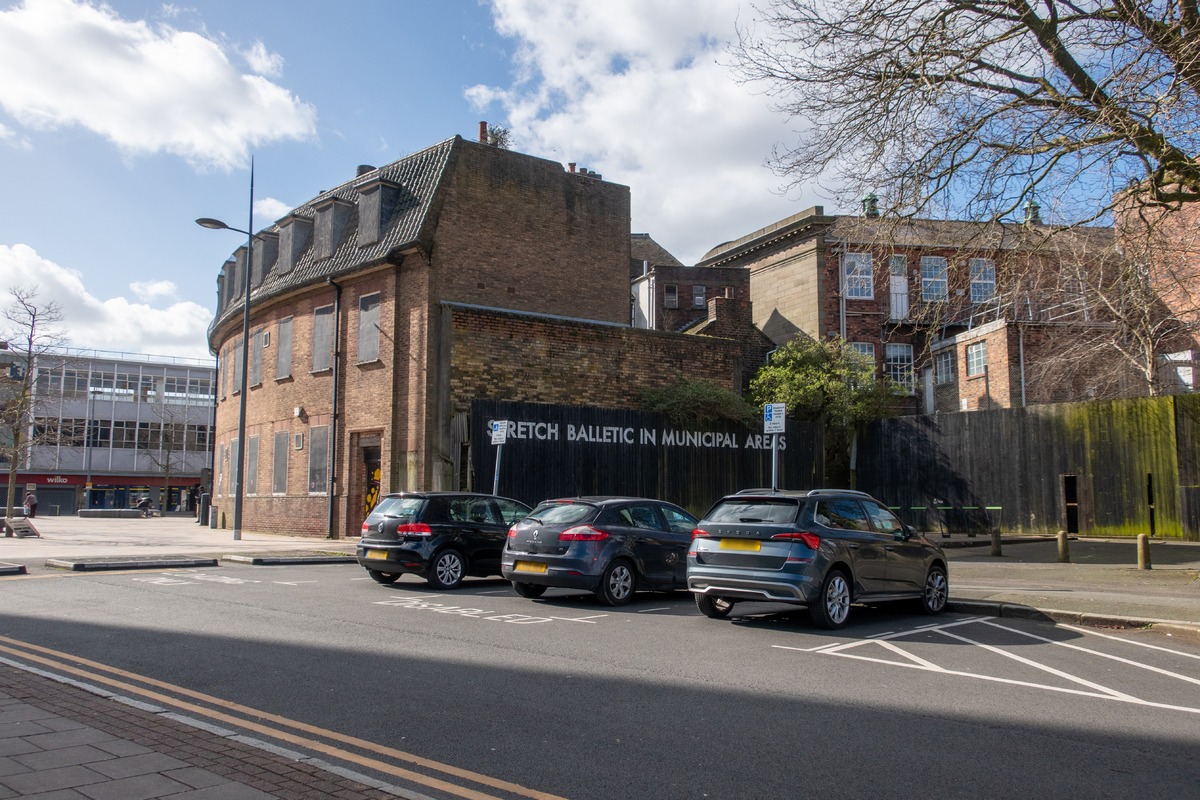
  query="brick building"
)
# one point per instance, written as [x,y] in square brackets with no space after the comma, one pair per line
[382,307]
[962,315]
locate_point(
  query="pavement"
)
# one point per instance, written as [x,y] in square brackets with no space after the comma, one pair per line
[66,741]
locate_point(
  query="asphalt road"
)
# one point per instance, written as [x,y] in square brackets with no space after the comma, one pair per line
[562,697]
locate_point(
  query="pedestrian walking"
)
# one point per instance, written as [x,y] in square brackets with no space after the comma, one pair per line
[31,505]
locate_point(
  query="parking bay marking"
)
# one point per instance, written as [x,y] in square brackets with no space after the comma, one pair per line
[420,603]
[914,662]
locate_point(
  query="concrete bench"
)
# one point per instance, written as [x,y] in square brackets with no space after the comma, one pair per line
[109,513]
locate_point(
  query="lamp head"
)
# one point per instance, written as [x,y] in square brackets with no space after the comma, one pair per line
[213,224]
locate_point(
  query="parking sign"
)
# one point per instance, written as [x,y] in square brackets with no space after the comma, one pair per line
[774,417]
[499,431]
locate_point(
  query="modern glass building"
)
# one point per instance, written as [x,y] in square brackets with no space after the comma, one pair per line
[109,428]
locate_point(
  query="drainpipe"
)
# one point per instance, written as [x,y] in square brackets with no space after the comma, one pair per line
[841,268]
[334,533]
[1021,358]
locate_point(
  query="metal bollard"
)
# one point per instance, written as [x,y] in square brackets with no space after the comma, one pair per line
[996,543]
[1143,550]
[1064,549]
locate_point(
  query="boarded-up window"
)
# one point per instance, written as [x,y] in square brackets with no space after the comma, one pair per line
[368,328]
[283,349]
[318,456]
[252,465]
[279,463]
[322,338]
[256,348]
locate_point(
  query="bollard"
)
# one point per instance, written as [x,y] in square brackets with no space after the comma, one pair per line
[1064,549]
[1143,551]
[996,543]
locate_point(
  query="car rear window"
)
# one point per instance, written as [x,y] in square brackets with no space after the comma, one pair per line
[755,510]
[563,513]
[403,507]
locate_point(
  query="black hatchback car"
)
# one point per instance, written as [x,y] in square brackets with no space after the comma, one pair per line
[612,546]
[441,536]
[823,549]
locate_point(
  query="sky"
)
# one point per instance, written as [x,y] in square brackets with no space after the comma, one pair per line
[121,123]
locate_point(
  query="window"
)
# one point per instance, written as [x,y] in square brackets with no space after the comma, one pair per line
[256,348]
[864,349]
[252,465]
[221,470]
[943,364]
[124,433]
[899,366]
[933,279]
[843,514]
[883,520]
[859,277]
[322,339]
[983,279]
[237,366]
[235,465]
[698,296]
[279,463]
[318,455]
[283,349]
[897,265]
[670,296]
[368,328]
[976,359]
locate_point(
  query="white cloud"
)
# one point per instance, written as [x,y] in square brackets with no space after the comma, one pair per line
[152,290]
[147,89]
[9,136]
[638,92]
[179,329]
[270,210]
[263,61]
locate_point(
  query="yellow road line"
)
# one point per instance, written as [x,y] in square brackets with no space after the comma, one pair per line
[381,766]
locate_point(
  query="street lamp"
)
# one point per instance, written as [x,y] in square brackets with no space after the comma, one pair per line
[240,473]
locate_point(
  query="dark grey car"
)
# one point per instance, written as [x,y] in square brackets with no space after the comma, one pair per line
[612,546]
[824,549]
[441,536]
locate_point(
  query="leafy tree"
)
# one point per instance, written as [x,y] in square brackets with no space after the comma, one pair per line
[499,136]
[974,104]
[826,380]
[30,330]
[689,402]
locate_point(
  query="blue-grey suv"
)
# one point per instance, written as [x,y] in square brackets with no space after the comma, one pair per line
[824,549]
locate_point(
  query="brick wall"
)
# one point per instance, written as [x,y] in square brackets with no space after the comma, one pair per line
[523,233]
[498,356]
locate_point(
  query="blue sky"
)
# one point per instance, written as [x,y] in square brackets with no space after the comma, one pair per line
[121,123]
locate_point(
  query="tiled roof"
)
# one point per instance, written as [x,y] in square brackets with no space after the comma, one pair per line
[643,248]
[420,176]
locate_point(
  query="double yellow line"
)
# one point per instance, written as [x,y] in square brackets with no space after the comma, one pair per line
[95,672]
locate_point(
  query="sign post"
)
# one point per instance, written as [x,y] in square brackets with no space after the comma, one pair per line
[774,420]
[499,434]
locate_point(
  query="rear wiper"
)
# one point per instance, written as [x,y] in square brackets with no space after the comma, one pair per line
[534,519]
[751,519]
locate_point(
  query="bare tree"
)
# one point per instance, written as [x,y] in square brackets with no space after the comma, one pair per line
[31,331]
[163,438]
[973,106]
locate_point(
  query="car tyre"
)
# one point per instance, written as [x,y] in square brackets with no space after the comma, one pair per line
[714,607]
[530,590]
[832,608]
[618,583]
[447,569]
[386,578]
[935,592]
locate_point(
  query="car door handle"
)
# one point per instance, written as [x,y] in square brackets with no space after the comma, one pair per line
[853,546]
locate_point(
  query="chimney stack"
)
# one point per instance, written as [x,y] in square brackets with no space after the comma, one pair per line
[483,132]
[363,169]
[1033,212]
[571,167]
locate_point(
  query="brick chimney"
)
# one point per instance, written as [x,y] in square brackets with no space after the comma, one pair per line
[483,139]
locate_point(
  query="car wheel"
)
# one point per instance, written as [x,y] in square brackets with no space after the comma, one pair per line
[447,569]
[528,589]
[832,608]
[936,591]
[386,578]
[618,583]
[714,607]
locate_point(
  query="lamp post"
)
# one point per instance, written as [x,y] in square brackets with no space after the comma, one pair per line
[240,473]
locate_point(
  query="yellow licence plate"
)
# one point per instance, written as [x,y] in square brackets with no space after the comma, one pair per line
[749,545]
[381,554]
[529,566]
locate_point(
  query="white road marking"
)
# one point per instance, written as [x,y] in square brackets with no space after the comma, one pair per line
[589,620]
[497,591]
[648,610]
[1089,651]
[878,635]
[291,583]
[1147,645]
[816,649]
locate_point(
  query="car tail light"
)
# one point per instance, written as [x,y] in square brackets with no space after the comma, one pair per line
[512,532]
[582,533]
[414,529]
[699,533]
[811,540]
[366,527]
